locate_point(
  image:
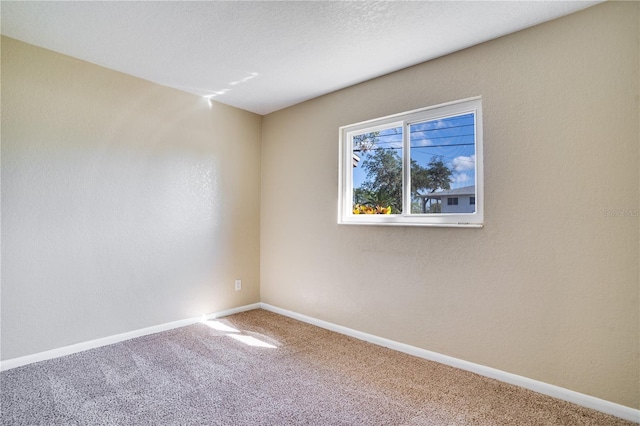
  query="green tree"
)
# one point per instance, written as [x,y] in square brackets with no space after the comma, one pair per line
[420,179]
[439,175]
[383,184]
[436,176]
[365,142]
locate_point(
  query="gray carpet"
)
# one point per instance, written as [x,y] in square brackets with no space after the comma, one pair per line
[199,375]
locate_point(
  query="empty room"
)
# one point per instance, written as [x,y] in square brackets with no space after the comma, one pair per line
[320,213]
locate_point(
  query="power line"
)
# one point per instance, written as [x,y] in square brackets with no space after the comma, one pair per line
[429,138]
[417,147]
[399,133]
[441,128]
[450,137]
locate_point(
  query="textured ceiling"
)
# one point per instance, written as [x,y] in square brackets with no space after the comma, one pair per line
[264,56]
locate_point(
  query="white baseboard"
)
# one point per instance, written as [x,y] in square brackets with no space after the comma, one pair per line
[588,401]
[109,340]
[233,311]
[581,399]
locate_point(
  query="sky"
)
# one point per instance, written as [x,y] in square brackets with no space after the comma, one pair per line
[450,139]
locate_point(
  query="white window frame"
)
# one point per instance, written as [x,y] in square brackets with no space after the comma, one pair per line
[404,120]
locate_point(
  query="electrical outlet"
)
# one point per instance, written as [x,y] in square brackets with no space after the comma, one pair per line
[238,285]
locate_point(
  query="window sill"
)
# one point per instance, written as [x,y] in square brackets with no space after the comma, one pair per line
[412,223]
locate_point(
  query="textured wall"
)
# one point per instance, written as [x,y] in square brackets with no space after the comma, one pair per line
[548,289]
[124,204]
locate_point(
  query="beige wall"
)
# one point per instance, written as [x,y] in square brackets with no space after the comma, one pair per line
[548,289]
[124,204]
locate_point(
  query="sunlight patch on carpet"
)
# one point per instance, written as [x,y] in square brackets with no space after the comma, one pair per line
[220,326]
[251,341]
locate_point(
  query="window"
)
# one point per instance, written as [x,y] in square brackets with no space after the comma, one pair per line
[412,168]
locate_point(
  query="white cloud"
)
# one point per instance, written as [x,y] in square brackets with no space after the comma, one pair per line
[422,142]
[420,139]
[461,178]
[463,163]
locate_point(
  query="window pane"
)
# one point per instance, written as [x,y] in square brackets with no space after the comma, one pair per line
[377,172]
[417,168]
[443,165]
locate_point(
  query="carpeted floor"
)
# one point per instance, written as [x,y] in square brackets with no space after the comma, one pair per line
[275,371]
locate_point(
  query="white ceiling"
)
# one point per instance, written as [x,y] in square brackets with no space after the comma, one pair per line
[263,56]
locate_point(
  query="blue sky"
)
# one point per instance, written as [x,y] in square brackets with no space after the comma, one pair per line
[450,138]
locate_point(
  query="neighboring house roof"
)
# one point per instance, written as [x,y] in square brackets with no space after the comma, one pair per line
[465,190]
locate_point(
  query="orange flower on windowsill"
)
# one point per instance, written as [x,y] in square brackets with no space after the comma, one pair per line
[362,209]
